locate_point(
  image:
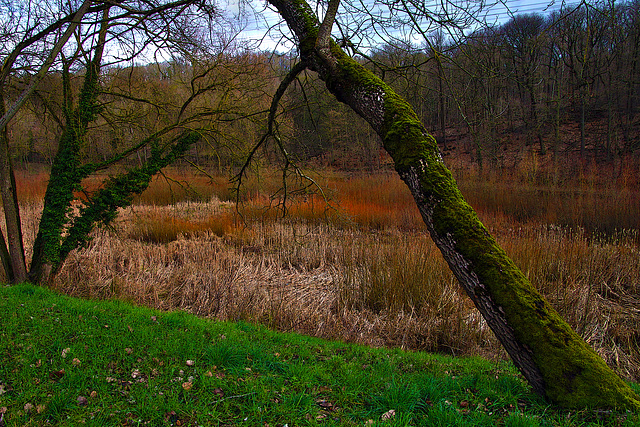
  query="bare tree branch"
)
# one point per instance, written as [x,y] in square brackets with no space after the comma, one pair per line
[11,111]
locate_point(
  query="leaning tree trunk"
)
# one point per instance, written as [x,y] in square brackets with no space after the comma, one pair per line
[555,360]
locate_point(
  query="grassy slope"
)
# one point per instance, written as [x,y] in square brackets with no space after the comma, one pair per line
[68,361]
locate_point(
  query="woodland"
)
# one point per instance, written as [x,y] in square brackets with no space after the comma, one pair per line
[562,83]
[100,98]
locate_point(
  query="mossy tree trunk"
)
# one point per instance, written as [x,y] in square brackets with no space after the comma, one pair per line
[555,360]
[12,252]
[67,171]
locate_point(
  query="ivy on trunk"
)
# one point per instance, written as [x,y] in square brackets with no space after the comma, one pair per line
[66,221]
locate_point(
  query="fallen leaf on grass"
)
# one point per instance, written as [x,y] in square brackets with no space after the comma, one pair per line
[28,407]
[65,352]
[325,404]
[76,361]
[82,401]
[187,385]
[218,391]
[389,415]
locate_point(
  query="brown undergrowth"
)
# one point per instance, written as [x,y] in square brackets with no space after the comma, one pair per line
[380,288]
[362,271]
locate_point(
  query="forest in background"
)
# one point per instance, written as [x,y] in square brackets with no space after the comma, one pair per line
[561,90]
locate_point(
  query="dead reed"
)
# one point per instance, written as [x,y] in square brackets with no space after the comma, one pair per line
[360,269]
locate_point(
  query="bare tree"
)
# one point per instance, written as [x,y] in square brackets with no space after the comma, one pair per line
[582,30]
[523,38]
[113,36]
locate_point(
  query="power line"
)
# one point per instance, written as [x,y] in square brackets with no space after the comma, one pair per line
[490,16]
[506,10]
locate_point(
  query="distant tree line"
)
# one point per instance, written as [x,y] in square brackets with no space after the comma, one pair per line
[540,77]
[565,82]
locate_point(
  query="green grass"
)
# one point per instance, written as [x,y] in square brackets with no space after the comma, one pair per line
[68,362]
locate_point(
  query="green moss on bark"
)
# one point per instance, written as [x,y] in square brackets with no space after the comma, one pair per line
[118,192]
[66,175]
[574,375]
[567,371]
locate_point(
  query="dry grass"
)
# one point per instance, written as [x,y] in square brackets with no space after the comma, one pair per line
[164,224]
[382,288]
[295,278]
[31,185]
[601,196]
[365,272]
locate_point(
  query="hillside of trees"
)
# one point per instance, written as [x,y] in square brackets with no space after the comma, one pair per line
[564,85]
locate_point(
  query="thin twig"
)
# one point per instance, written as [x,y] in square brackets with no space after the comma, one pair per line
[289,78]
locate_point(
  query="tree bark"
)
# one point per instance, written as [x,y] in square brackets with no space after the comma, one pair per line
[555,360]
[13,252]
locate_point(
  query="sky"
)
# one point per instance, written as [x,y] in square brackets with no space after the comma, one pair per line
[500,12]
